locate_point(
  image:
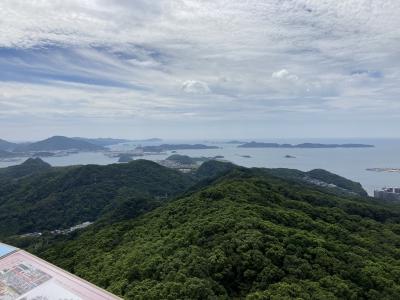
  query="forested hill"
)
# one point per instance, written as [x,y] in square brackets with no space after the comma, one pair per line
[321,178]
[36,197]
[248,235]
[30,167]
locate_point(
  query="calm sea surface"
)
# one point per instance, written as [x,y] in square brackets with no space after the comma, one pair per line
[350,163]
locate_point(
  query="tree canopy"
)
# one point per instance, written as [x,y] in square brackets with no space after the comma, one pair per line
[248,235]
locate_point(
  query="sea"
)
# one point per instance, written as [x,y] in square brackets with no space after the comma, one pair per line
[351,163]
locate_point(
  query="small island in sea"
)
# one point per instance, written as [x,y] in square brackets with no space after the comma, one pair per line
[289,156]
[386,170]
[303,145]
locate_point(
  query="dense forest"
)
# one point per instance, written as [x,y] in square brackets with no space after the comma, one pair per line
[227,233]
[35,197]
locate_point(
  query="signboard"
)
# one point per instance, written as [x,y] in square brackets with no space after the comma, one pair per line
[27,277]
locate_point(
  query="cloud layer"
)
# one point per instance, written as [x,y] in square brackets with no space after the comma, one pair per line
[215,61]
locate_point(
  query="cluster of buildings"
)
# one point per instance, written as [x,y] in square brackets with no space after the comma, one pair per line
[184,168]
[59,231]
[390,193]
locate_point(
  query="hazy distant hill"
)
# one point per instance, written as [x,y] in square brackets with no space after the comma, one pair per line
[6,146]
[111,141]
[102,141]
[151,140]
[235,142]
[58,143]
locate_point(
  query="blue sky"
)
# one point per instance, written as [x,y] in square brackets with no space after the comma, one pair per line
[206,69]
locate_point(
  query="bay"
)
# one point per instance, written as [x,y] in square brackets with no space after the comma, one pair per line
[347,162]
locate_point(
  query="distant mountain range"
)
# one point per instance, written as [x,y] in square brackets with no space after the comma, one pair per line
[102,142]
[58,143]
[303,145]
[6,146]
[62,143]
[235,142]
[152,140]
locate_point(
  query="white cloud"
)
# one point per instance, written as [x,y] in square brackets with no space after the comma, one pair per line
[284,74]
[210,59]
[195,87]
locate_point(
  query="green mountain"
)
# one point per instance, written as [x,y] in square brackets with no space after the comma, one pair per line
[58,143]
[243,233]
[320,178]
[30,167]
[54,198]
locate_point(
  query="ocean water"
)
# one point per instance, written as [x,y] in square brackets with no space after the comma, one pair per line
[346,162]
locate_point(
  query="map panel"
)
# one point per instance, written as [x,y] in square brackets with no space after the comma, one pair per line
[26,277]
[5,250]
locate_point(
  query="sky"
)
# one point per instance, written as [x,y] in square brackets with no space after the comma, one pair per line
[199,69]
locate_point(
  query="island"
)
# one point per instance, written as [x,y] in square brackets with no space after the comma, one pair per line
[303,145]
[387,170]
[172,147]
[289,156]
